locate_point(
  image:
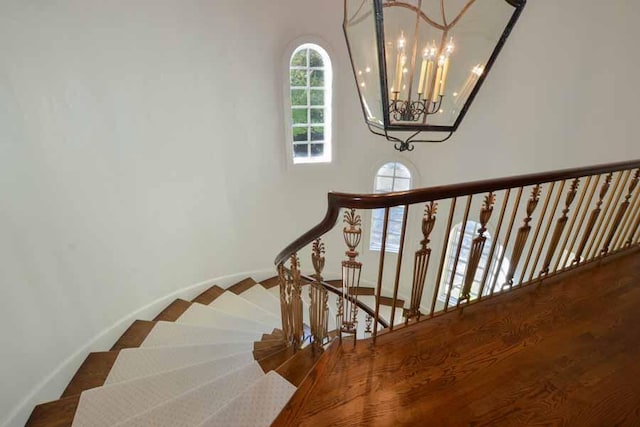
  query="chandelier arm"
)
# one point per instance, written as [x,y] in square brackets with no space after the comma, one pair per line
[462,12]
[416,10]
[444,17]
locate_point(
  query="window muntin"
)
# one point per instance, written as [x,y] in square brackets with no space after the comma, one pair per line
[470,233]
[392,176]
[310,77]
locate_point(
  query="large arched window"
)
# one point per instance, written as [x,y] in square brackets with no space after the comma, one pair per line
[393,176]
[310,77]
[495,269]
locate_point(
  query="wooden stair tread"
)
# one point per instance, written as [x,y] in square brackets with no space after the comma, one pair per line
[362,290]
[297,367]
[208,296]
[173,311]
[276,359]
[389,302]
[135,335]
[242,286]
[271,282]
[265,352]
[58,413]
[324,365]
[92,373]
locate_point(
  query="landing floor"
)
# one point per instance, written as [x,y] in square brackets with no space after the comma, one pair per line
[559,354]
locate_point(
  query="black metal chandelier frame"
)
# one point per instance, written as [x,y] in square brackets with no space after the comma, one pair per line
[392,106]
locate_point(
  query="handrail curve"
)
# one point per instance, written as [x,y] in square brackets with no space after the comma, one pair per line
[338,200]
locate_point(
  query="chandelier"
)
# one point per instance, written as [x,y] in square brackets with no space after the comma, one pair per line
[419,64]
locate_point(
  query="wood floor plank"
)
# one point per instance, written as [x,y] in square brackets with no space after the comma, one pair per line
[559,354]
[297,367]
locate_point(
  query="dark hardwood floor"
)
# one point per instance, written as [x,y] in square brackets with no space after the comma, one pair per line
[557,354]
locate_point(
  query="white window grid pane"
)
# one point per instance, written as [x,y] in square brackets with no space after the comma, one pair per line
[396,214]
[308,106]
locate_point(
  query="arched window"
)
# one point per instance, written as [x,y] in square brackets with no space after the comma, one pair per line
[470,233]
[310,77]
[392,176]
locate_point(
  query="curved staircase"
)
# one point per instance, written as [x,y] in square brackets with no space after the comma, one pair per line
[218,360]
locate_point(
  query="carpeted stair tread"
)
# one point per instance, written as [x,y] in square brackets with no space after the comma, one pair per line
[242,286]
[204,315]
[262,298]
[135,335]
[110,404]
[274,360]
[235,305]
[258,406]
[92,373]
[196,405]
[208,296]
[272,282]
[173,334]
[297,367]
[173,311]
[58,413]
[141,362]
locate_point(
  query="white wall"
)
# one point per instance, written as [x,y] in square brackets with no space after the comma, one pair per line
[141,149]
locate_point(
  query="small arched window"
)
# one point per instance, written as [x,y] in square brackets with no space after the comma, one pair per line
[392,176]
[495,269]
[310,77]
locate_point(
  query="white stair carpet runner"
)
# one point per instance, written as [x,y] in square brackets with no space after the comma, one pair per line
[197,370]
[196,405]
[141,362]
[174,334]
[230,303]
[108,405]
[263,298]
[257,407]
[202,315]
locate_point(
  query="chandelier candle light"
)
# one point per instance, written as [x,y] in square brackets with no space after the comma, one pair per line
[425,79]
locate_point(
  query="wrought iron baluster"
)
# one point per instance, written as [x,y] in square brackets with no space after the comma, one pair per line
[523,234]
[490,264]
[447,232]
[318,295]
[383,250]
[536,233]
[421,262]
[351,269]
[606,216]
[398,267]
[296,302]
[576,212]
[622,210]
[458,250]
[507,239]
[477,247]
[628,221]
[592,219]
[560,225]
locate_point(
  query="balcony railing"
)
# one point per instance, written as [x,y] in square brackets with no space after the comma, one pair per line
[460,244]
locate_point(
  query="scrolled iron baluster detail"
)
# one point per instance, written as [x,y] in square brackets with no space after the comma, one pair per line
[523,235]
[368,322]
[296,303]
[622,210]
[351,269]
[477,247]
[560,226]
[318,309]
[285,303]
[593,218]
[634,230]
[421,261]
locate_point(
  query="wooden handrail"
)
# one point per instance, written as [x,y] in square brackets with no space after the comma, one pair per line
[337,201]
